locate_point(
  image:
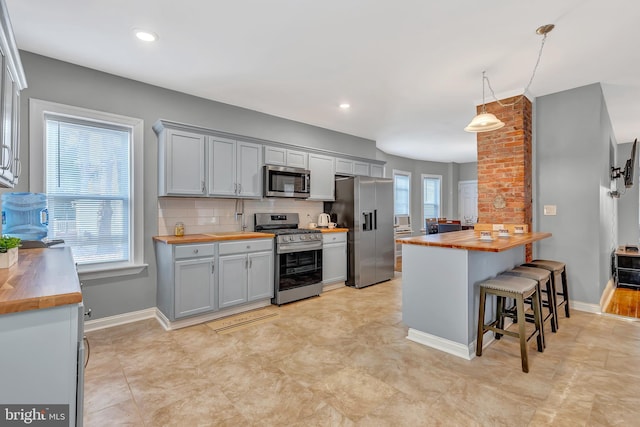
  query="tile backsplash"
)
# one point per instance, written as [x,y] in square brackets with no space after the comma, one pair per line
[201,215]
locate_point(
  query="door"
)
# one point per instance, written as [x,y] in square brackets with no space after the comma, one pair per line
[383,215]
[365,237]
[232,279]
[248,168]
[260,275]
[322,177]
[468,200]
[334,262]
[194,287]
[185,163]
[222,167]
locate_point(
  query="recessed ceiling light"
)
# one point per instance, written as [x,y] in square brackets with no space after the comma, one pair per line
[145,35]
[345,106]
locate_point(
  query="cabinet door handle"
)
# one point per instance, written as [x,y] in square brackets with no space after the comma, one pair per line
[195,251]
[213,267]
[9,156]
[204,190]
[240,188]
[250,263]
[235,188]
[246,264]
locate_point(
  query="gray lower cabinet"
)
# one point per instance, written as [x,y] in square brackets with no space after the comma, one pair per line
[246,271]
[195,286]
[334,257]
[41,360]
[186,279]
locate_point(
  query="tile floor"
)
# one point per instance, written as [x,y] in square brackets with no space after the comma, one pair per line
[342,359]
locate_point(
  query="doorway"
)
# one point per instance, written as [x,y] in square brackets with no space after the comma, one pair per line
[468,201]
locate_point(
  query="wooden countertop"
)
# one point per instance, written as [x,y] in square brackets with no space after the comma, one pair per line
[42,278]
[470,240]
[213,237]
[333,230]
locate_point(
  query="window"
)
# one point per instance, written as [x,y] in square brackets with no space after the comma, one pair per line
[90,166]
[431,196]
[401,193]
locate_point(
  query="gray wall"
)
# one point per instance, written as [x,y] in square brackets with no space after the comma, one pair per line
[450,176]
[61,82]
[573,137]
[629,202]
[468,171]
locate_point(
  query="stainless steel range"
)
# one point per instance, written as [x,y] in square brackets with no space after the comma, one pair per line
[298,257]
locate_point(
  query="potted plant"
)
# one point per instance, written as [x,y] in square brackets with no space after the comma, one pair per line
[8,251]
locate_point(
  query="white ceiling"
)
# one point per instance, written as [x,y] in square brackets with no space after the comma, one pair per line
[411,69]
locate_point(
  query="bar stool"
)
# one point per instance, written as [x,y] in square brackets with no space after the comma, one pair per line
[517,288]
[555,267]
[543,277]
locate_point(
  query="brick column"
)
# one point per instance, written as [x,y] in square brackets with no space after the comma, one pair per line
[505,167]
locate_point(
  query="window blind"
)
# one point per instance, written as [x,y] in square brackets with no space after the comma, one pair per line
[88,188]
[401,194]
[431,197]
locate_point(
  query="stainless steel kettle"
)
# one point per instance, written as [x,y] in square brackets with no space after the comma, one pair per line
[323,220]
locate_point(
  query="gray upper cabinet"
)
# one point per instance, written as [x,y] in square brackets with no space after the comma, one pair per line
[344,166]
[361,168]
[322,177]
[377,171]
[352,167]
[181,163]
[285,157]
[234,168]
[12,82]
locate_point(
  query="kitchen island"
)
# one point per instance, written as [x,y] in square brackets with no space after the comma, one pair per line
[440,284]
[41,330]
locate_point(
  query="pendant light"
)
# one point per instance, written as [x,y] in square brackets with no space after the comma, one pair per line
[485,122]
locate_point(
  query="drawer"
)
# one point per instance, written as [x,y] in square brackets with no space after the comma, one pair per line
[629,277]
[195,251]
[244,246]
[328,238]
[628,261]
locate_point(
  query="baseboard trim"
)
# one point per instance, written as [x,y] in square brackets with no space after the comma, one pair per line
[332,286]
[442,344]
[119,319]
[583,306]
[169,325]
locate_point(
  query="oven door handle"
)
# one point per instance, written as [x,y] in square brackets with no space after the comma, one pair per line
[297,247]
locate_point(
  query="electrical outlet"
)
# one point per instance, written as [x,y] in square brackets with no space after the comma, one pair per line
[549,209]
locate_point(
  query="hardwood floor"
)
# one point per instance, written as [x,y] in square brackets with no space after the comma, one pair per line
[625,302]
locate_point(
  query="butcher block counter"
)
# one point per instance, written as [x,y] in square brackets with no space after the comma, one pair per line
[213,237]
[42,278]
[441,274]
[470,240]
[41,329]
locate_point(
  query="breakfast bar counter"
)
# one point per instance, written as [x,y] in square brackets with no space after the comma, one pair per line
[440,278]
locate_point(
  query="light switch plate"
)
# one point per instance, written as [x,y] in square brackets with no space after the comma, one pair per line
[549,209]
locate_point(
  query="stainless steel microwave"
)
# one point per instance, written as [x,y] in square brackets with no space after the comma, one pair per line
[283,181]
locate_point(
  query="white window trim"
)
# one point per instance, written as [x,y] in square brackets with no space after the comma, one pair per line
[403,173]
[422,177]
[37,110]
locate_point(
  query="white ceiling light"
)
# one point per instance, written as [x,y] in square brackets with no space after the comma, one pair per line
[345,106]
[145,35]
[484,121]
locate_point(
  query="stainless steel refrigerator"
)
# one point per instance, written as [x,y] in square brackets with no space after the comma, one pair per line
[364,205]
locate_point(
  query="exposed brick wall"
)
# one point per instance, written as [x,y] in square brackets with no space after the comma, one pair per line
[505,167]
